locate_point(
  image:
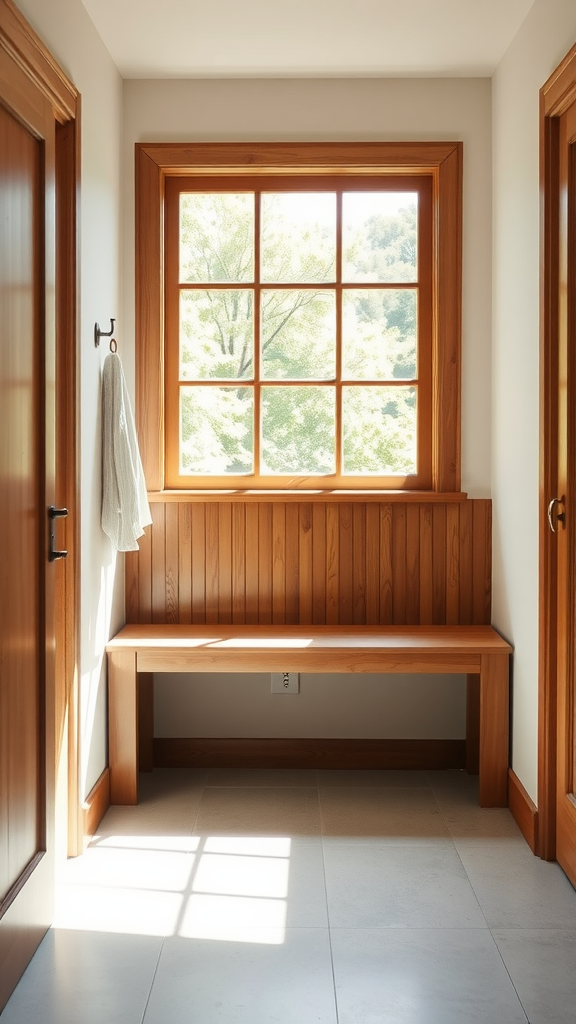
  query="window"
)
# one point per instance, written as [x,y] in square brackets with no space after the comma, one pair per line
[304,332]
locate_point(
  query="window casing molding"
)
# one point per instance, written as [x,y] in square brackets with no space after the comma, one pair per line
[155,162]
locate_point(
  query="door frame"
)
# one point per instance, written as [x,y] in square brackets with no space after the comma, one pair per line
[20,46]
[558,93]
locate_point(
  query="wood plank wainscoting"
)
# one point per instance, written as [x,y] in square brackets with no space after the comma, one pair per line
[350,559]
[341,561]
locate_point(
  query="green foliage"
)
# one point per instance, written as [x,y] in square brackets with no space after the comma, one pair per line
[297,340]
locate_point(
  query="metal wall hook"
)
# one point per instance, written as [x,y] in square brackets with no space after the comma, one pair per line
[103,334]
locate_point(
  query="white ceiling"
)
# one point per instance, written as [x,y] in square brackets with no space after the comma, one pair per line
[306,38]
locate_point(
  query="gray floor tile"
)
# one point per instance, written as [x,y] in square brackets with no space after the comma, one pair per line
[542,966]
[254,777]
[83,977]
[399,887]
[238,811]
[242,883]
[376,777]
[411,976]
[285,978]
[168,804]
[392,815]
[515,889]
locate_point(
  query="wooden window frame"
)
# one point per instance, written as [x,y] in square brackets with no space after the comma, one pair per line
[156,162]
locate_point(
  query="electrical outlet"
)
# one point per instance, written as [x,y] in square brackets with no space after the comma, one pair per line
[285,682]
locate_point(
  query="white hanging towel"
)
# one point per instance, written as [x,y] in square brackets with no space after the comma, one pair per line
[125,508]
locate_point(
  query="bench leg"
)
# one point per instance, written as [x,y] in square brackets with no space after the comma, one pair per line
[473,724]
[494,729]
[123,727]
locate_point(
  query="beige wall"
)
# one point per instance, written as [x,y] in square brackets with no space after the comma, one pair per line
[69,34]
[546,35]
[450,109]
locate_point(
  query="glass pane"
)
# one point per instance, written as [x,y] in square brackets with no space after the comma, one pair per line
[298,335]
[298,430]
[216,334]
[298,236]
[216,430]
[216,237]
[379,431]
[380,236]
[379,330]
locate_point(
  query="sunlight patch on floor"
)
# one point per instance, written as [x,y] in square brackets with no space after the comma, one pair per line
[216,887]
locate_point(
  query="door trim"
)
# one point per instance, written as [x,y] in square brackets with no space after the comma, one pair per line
[558,93]
[26,50]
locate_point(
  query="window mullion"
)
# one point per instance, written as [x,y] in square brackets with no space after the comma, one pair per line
[338,410]
[257,331]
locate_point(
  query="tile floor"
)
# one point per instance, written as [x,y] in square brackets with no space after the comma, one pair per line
[297,897]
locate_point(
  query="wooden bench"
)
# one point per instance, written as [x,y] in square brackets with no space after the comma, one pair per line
[470,650]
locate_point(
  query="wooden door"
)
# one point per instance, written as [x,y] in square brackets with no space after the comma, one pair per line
[563,513]
[27,472]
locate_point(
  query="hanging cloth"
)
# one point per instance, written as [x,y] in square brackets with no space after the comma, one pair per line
[125,508]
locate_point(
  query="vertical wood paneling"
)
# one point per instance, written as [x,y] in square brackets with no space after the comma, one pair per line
[265,563]
[332,564]
[344,563]
[158,535]
[252,521]
[212,556]
[465,573]
[131,571]
[399,564]
[224,561]
[171,543]
[184,563]
[426,617]
[452,564]
[292,560]
[145,576]
[412,564]
[198,539]
[372,563]
[319,564]
[306,591]
[386,601]
[482,561]
[238,564]
[359,564]
[439,564]
[279,563]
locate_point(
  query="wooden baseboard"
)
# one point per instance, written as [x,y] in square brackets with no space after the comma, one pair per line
[523,810]
[309,753]
[96,804]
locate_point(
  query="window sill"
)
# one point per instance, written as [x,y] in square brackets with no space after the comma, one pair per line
[432,497]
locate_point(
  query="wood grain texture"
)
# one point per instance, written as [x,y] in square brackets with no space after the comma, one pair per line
[473,725]
[141,649]
[122,726]
[309,753]
[343,563]
[157,164]
[494,730]
[523,810]
[44,103]
[96,804]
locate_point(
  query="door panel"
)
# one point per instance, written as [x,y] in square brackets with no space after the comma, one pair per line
[566,704]
[27,435]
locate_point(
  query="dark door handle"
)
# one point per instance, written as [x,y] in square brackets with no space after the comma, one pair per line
[54,513]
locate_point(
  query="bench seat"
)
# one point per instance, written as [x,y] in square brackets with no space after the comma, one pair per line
[470,650]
